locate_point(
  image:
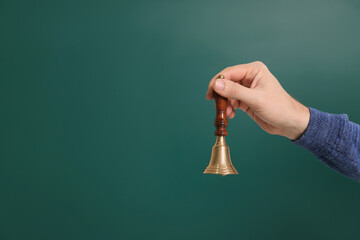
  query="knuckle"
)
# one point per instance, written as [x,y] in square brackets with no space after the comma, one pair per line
[225,71]
[259,63]
[260,66]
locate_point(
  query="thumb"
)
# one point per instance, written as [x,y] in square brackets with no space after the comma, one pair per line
[230,89]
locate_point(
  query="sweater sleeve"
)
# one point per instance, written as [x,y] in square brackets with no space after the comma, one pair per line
[334,140]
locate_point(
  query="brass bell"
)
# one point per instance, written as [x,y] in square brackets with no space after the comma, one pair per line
[220,161]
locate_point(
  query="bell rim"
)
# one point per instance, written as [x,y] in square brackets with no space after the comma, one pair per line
[221,171]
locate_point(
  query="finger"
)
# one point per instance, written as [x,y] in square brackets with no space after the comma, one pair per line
[234,103]
[243,106]
[229,110]
[251,114]
[230,89]
[210,91]
[264,125]
[244,73]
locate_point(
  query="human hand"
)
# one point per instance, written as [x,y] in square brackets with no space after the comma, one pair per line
[254,89]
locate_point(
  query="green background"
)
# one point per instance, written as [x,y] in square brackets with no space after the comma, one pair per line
[105,129]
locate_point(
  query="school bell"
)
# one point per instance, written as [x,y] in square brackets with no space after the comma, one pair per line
[220,161]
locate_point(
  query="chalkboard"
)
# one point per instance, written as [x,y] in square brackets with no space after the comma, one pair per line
[106,132]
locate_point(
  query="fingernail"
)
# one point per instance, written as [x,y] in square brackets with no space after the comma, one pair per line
[219,84]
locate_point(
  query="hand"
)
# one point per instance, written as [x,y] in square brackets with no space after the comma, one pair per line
[253,89]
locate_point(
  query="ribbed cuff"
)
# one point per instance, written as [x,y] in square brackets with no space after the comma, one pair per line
[323,128]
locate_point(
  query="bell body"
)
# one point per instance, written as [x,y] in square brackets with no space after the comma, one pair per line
[220,162]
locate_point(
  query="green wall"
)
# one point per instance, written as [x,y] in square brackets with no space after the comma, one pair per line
[105,130]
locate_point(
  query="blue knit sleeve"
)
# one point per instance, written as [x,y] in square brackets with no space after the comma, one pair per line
[334,140]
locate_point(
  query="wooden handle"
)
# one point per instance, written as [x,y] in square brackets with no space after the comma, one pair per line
[221,121]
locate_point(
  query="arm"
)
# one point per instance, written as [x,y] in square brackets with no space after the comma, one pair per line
[253,89]
[334,140]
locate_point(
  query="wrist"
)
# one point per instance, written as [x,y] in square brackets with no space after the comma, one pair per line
[299,121]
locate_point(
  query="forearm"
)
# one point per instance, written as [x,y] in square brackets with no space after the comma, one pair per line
[334,140]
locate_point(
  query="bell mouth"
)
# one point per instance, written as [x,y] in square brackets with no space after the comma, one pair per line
[221,171]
